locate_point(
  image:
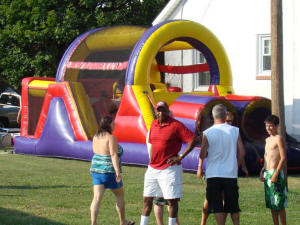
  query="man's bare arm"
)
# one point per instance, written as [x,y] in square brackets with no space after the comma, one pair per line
[200,170]
[204,147]
[149,146]
[190,146]
[241,155]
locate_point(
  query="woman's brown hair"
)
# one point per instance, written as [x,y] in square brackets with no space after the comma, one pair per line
[104,125]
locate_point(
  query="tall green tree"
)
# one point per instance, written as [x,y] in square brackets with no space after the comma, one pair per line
[35,33]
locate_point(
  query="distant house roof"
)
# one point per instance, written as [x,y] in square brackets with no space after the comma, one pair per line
[169,9]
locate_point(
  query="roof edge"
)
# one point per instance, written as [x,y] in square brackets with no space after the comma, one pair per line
[167,11]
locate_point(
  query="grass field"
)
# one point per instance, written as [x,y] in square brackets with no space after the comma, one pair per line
[37,190]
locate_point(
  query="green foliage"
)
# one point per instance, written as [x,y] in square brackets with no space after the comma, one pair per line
[34,34]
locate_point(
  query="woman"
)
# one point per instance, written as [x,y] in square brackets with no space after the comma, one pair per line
[106,170]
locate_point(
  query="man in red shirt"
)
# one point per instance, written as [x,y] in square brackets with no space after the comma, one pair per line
[163,176]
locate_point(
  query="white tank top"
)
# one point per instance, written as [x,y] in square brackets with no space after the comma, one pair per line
[221,159]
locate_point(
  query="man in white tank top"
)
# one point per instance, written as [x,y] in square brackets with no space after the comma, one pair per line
[224,152]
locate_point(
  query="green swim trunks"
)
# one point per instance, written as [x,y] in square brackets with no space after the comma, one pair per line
[275,193]
[160,201]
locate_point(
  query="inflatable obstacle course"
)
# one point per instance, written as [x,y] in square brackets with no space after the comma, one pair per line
[119,69]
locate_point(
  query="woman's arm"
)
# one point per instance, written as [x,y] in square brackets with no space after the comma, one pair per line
[113,149]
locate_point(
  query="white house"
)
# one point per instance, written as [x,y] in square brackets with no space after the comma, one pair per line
[243,27]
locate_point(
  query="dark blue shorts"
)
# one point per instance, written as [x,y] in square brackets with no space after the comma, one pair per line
[106,179]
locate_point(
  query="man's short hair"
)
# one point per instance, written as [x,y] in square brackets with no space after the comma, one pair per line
[228,113]
[272,119]
[219,111]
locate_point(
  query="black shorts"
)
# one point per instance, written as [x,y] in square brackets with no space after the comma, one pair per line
[214,191]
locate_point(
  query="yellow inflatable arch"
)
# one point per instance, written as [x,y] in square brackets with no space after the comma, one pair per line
[175,35]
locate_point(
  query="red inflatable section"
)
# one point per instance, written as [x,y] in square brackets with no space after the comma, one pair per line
[97,65]
[242,98]
[183,69]
[174,89]
[24,107]
[213,89]
[186,110]
[130,125]
[63,91]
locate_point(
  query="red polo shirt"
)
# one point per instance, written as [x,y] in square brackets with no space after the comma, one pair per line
[166,141]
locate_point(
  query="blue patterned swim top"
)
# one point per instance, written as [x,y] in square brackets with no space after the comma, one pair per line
[103,163]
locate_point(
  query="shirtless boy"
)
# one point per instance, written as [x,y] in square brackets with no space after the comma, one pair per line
[272,173]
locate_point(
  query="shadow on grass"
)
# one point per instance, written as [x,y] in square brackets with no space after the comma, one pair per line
[36,187]
[12,196]
[14,217]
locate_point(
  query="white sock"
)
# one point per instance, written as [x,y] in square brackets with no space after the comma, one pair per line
[172,221]
[144,220]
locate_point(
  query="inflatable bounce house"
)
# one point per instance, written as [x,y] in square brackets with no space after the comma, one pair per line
[117,69]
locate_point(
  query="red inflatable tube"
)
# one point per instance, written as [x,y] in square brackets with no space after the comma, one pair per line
[186,110]
[184,69]
[242,98]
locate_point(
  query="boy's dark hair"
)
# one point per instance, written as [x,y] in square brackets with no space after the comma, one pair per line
[272,119]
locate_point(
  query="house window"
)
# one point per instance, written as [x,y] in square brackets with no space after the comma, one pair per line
[264,55]
[201,79]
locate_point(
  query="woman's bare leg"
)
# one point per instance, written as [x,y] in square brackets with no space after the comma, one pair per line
[120,205]
[95,205]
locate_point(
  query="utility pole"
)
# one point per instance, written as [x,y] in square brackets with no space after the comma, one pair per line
[277,95]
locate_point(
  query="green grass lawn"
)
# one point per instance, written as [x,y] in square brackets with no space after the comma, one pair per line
[37,190]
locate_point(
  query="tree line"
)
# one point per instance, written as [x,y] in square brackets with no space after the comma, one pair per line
[34,34]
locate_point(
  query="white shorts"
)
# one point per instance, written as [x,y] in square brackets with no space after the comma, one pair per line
[164,183]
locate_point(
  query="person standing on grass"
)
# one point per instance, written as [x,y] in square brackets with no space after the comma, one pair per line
[229,120]
[163,175]
[158,209]
[158,202]
[106,170]
[272,173]
[224,150]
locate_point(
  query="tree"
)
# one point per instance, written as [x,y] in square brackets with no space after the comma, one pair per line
[34,34]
